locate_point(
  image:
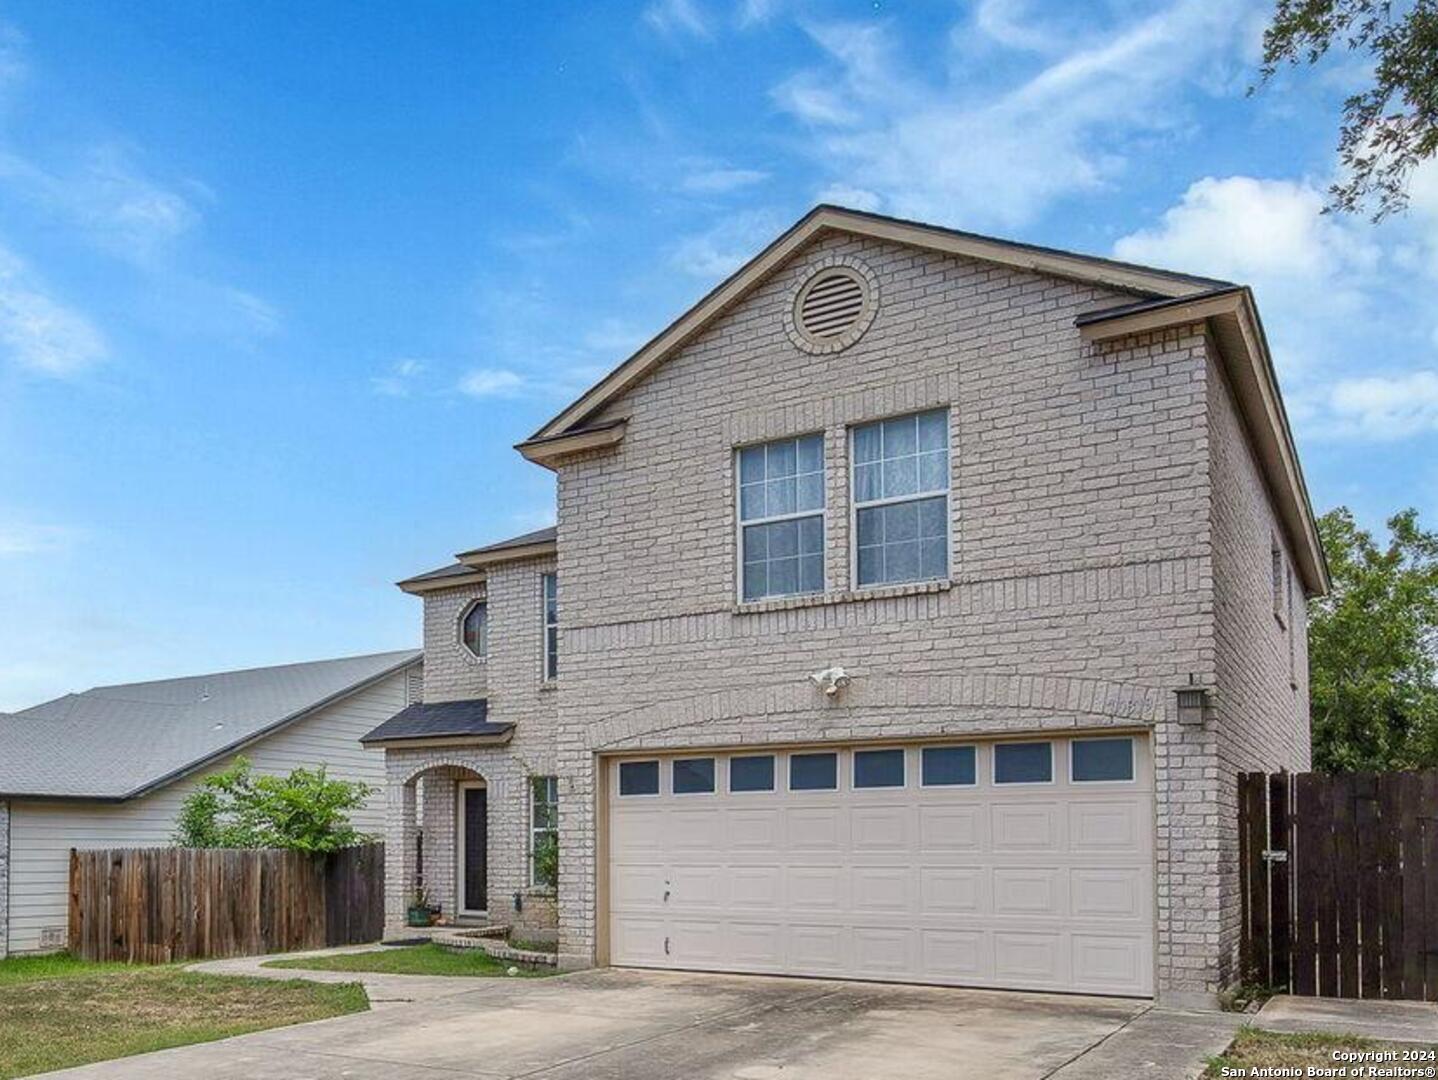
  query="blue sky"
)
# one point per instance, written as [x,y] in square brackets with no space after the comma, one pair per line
[280,284]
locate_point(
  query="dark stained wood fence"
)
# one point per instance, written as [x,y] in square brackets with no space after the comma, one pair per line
[156,905]
[1339,877]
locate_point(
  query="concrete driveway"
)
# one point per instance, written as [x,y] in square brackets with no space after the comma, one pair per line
[639,1025]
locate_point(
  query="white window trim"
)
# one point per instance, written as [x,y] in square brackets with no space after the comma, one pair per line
[534,831]
[822,514]
[978,769]
[994,764]
[619,788]
[854,507]
[789,771]
[459,630]
[1132,758]
[544,625]
[729,776]
[692,794]
[854,769]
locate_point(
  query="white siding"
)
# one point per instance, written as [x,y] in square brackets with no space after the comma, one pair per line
[42,833]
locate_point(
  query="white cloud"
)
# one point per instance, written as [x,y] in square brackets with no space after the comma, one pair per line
[398,380]
[492,383]
[1245,228]
[942,150]
[676,17]
[719,181]
[613,335]
[1381,407]
[754,12]
[26,538]
[1010,23]
[39,333]
[722,249]
[852,197]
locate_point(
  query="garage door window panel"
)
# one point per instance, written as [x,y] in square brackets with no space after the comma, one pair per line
[878,768]
[693,776]
[813,772]
[1101,761]
[751,773]
[948,766]
[638,778]
[1024,763]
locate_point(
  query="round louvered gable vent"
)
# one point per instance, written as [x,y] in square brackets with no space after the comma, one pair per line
[833,308]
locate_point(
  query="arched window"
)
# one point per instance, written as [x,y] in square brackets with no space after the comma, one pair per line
[474,629]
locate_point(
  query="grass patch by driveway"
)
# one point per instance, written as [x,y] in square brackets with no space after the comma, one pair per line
[57,1012]
[409,960]
[1254,1049]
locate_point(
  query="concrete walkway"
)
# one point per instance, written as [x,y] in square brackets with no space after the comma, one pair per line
[1391,1021]
[385,991]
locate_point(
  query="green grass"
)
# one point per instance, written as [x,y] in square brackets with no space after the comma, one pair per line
[57,1012]
[409,960]
[1254,1048]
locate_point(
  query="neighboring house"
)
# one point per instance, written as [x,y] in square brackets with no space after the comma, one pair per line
[111,766]
[915,599]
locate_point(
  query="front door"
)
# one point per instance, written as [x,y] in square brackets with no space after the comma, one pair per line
[474,850]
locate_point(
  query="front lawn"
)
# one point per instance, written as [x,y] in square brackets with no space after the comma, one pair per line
[427,959]
[1254,1049]
[57,1012]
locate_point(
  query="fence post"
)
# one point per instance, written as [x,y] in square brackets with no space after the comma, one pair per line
[1281,909]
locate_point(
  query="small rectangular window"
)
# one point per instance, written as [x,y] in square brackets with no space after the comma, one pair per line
[781,515]
[551,626]
[693,776]
[1023,763]
[944,766]
[639,778]
[543,831]
[1102,760]
[878,768]
[751,773]
[901,499]
[813,772]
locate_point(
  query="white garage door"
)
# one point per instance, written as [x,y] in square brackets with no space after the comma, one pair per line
[1025,864]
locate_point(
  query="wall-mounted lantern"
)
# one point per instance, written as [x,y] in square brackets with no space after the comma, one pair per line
[1191,703]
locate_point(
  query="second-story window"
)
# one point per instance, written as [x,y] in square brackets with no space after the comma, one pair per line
[781,517]
[901,499]
[474,629]
[550,592]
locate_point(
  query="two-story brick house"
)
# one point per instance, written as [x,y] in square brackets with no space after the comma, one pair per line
[914,600]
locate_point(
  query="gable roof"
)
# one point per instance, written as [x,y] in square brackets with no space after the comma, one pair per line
[1131,277]
[119,742]
[469,570]
[1164,298]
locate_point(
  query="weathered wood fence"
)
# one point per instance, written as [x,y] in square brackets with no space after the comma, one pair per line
[1340,882]
[156,905]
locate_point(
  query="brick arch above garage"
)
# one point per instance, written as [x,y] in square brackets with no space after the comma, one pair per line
[874,706]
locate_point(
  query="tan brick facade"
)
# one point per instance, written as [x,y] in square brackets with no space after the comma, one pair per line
[1108,530]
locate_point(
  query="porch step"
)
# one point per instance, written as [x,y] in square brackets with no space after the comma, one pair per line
[492,940]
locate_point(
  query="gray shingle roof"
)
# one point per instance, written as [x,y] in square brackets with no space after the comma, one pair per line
[538,536]
[114,742]
[438,719]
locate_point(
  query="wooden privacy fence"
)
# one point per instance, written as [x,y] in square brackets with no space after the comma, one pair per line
[1339,877]
[156,905]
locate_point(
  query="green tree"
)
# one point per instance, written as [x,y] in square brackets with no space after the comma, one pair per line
[1373,647]
[1391,125]
[304,811]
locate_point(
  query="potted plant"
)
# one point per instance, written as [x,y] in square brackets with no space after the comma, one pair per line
[419,913]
